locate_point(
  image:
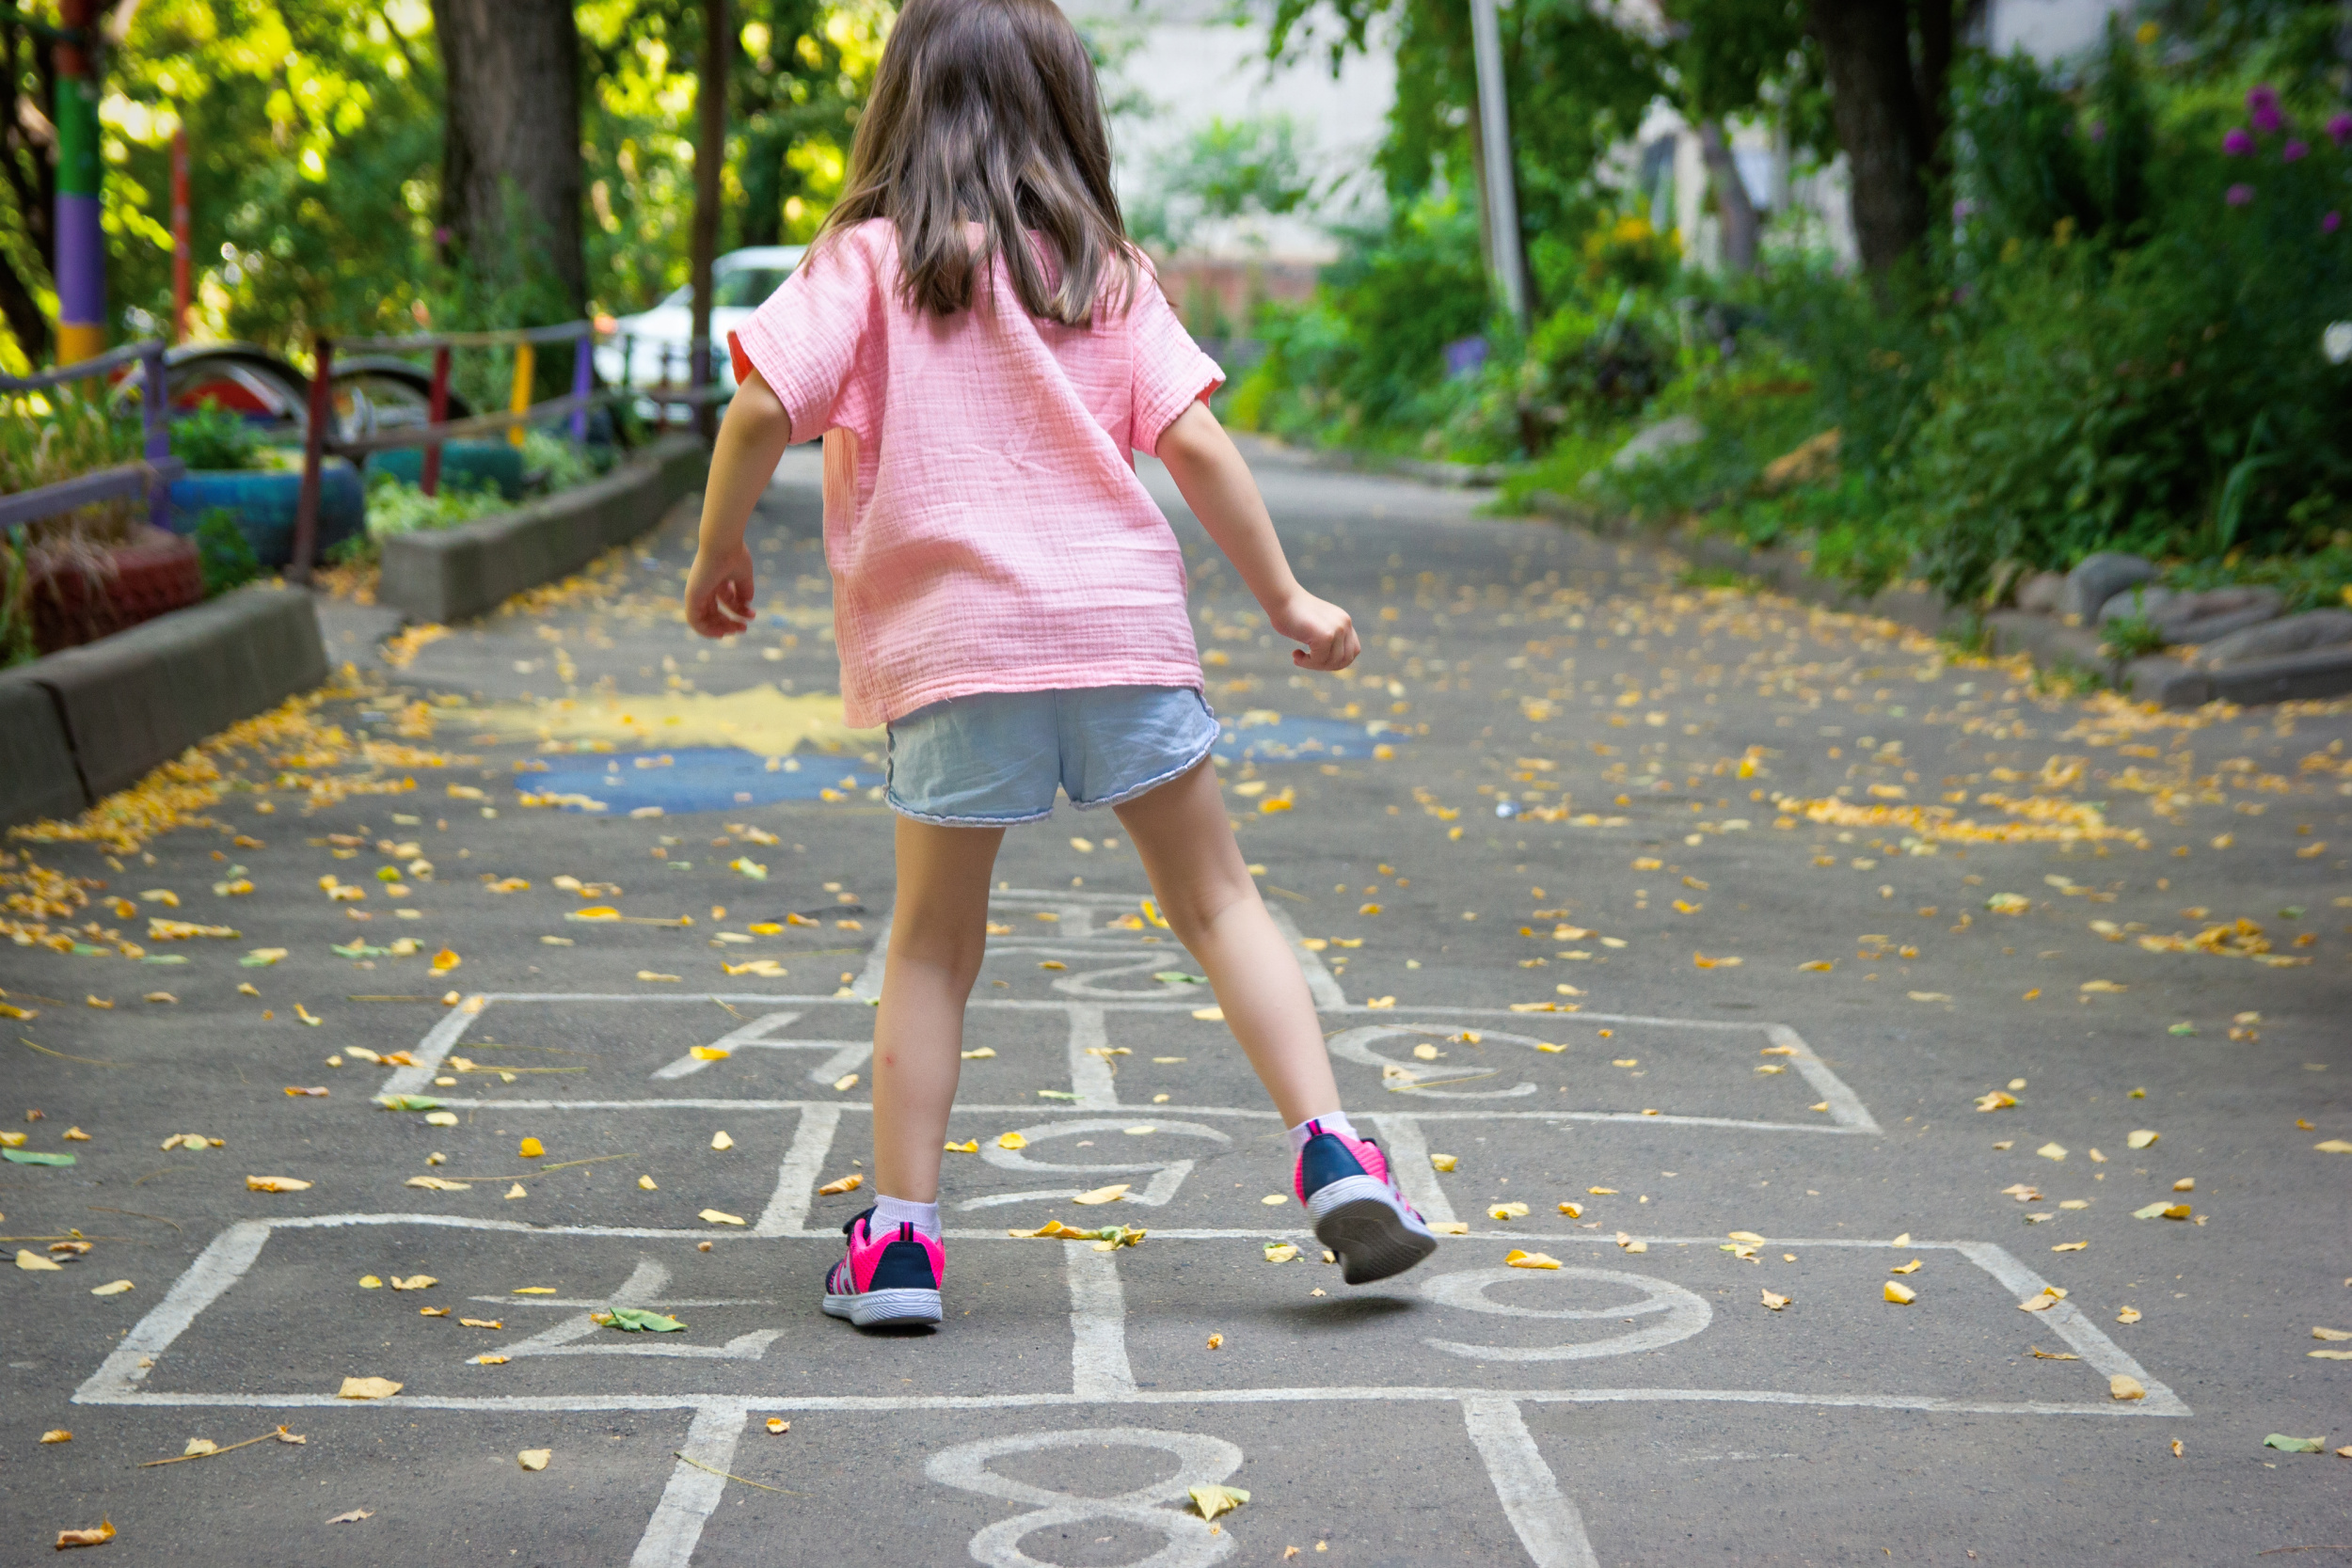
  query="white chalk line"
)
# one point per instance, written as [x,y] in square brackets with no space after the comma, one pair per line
[1547,1522]
[1098,1324]
[677,1526]
[786,1213]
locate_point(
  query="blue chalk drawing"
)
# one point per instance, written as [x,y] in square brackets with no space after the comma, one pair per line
[719,778]
[696,779]
[1294,739]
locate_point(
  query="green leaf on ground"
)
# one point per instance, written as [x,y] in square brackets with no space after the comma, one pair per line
[634,1319]
[2293,1445]
[34,1157]
[408,1102]
[1177,977]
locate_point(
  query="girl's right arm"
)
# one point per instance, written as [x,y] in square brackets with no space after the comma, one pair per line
[1203,460]
[752,440]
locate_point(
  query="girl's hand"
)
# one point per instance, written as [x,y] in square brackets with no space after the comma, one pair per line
[1324,629]
[719,591]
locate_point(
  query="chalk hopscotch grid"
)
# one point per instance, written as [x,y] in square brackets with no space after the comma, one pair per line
[1545,1520]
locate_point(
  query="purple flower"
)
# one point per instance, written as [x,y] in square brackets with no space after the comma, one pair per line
[2098,130]
[2295,150]
[2238,143]
[1964,209]
[2328,224]
[2238,196]
[2340,128]
[2262,107]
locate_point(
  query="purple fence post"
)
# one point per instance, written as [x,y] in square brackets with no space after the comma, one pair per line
[155,415]
[583,371]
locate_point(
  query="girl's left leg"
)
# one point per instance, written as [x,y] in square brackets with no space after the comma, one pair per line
[938,931]
[894,1266]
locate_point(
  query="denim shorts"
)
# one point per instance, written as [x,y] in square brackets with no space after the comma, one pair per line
[995,758]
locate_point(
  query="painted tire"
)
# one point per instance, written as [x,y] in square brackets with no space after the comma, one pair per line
[265,503]
[465,466]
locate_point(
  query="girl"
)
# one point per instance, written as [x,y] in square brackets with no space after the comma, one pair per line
[982,350]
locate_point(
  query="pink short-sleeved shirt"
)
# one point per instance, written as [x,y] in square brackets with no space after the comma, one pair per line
[983,520]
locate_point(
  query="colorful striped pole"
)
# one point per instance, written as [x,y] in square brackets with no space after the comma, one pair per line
[81,244]
[180,243]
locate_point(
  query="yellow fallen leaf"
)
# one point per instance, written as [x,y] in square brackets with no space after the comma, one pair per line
[1449,1227]
[1602,1191]
[1749,1237]
[274,1184]
[530,1150]
[982,1055]
[114,1288]
[1572,1211]
[533,1290]
[445,961]
[1507,1211]
[2122,1387]
[2129,1315]
[480,1323]
[710,1054]
[2331,1334]
[367,1388]
[305,1015]
[1216,1342]
[970,1145]
[1111,1193]
[1213,1501]
[1274,1200]
[778,1426]
[1280,1252]
[2052,1151]
[1901,1295]
[652,974]
[435,1184]
[1775,1302]
[414,1282]
[489,1360]
[1627,1243]
[1011,1140]
[1517,1259]
[2334,1146]
[517,1190]
[720,1141]
[56,1434]
[96,1537]
[535,1459]
[1912,1267]
[34,1262]
[1209,1014]
[2070,1246]
[844,1083]
[1996,1101]
[717,1217]
[2141,1139]
[843,1184]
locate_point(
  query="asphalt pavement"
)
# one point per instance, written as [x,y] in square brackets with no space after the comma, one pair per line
[1781,964]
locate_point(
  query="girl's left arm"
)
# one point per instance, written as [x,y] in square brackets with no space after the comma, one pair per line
[752,440]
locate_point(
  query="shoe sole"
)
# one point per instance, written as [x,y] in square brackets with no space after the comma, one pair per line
[1360,1220]
[884,1308]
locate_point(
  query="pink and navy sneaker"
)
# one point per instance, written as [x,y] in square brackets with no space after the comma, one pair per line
[887,1279]
[1358,1211]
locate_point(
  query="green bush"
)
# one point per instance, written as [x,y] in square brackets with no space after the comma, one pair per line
[212,437]
[226,553]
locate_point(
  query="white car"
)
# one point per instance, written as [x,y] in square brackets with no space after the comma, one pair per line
[741,280]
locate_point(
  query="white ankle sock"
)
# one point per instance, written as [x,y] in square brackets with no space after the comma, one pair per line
[1336,1122]
[892,1213]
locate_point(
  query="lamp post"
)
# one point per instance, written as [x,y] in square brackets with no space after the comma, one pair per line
[1507,256]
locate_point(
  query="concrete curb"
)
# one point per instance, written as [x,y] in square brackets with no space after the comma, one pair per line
[464,572]
[2172,683]
[117,707]
[37,777]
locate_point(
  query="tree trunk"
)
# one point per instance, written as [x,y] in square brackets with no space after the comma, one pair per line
[28,167]
[511,178]
[1882,125]
[1731,201]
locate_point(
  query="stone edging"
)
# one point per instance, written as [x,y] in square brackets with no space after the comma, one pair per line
[80,725]
[455,574]
[2047,640]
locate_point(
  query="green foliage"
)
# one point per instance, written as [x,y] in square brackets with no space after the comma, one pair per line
[226,556]
[2132,636]
[395,508]
[16,601]
[1226,169]
[212,438]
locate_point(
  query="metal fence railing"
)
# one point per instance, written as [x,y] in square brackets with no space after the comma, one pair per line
[321,441]
[154,471]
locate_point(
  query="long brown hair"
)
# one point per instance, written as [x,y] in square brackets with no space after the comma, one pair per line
[987,112]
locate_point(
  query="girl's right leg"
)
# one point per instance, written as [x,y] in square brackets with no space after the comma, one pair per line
[1180,831]
[938,932]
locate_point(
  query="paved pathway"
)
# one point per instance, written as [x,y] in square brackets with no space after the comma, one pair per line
[1702,926]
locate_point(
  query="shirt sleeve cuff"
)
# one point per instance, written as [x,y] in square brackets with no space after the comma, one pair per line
[1152,420]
